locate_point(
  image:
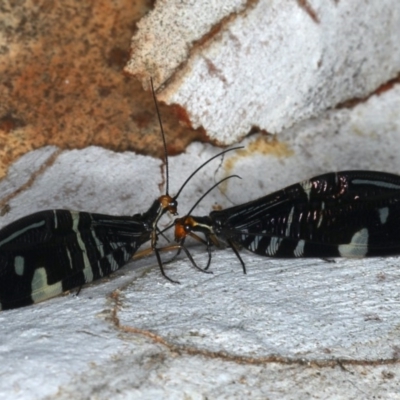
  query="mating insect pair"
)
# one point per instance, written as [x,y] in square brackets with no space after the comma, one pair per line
[343,214]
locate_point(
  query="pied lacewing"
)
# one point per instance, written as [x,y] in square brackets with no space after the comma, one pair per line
[342,214]
[51,251]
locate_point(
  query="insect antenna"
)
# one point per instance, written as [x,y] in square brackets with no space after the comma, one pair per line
[163,138]
[210,189]
[203,165]
[170,203]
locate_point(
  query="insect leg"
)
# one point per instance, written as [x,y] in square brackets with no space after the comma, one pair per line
[142,253]
[235,250]
[160,264]
[209,243]
[78,291]
[161,233]
[328,260]
[189,256]
[181,247]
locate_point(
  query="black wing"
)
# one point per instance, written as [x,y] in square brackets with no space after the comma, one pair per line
[349,214]
[48,252]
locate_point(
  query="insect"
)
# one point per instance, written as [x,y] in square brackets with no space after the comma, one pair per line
[343,214]
[51,251]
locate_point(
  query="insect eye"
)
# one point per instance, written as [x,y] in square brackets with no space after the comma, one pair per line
[169,204]
[173,206]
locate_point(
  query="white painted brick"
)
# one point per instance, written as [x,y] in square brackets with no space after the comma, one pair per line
[274,65]
[167,34]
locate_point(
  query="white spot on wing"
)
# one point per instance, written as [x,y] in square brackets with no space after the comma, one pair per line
[87,270]
[100,247]
[321,214]
[254,244]
[19,265]
[299,250]
[113,264]
[289,222]
[114,245]
[307,186]
[273,247]
[69,257]
[127,256]
[41,290]
[358,245]
[383,214]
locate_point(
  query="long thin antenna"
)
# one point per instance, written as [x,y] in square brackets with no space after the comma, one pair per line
[209,190]
[204,164]
[163,137]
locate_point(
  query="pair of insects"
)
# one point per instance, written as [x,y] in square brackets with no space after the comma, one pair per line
[343,214]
